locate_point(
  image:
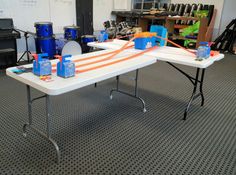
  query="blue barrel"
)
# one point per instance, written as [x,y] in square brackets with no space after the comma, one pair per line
[43,29]
[46,45]
[71,32]
[87,38]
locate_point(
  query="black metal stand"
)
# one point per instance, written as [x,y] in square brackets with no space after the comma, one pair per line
[47,136]
[27,52]
[195,81]
[135,95]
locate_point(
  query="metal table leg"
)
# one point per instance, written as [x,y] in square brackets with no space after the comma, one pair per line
[195,81]
[29,125]
[195,95]
[135,95]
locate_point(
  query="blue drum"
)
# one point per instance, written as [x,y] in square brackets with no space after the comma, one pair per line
[46,45]
[60,43]
[87,38]
[71,32]
[43,29]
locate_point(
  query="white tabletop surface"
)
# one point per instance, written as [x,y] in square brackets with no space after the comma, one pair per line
[166,53]
[61,85]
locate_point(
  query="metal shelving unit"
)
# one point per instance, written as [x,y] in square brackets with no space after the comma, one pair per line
[145,5]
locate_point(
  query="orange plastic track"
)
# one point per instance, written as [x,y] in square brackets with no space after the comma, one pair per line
[122,48]
[109,57]
[116,52]
[117,61]
[177,45]
[95,56]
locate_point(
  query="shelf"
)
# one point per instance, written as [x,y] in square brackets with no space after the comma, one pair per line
[178,26]
[174,37]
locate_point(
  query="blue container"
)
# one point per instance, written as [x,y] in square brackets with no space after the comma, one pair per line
[71,32]
[161,31]
[103,36]
[203,50]
[87,38]
[46,45]
[43,29]
[144,43]
[65,67]
[41,65]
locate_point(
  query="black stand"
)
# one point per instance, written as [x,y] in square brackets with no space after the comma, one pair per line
[195,81]
[27,52]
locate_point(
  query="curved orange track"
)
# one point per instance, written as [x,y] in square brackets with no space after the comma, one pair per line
[116,61]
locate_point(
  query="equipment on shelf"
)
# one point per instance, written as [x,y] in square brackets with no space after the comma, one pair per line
[186,13]
[45,40]
[111,28]
[191,13]
[41,65]
[171,7]
[124,29]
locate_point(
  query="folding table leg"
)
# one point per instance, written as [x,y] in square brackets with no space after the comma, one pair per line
[135,95]
[195,81]
[194,94]
[47,136]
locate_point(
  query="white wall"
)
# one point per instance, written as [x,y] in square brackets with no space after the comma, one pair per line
[101,13]
[25,13]
[218,5]
[228,13]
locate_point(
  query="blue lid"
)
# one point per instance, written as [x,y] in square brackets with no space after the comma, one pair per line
[203,43]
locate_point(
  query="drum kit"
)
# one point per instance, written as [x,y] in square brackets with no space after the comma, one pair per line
[71,43]
[46,42]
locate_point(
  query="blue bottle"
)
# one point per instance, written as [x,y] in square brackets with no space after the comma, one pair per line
[203,51]
[65,67]
[42,65]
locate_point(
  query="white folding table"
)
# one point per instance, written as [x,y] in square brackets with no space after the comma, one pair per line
[172,56]
[60,85]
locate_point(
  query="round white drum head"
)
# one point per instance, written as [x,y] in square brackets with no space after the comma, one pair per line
[71,48]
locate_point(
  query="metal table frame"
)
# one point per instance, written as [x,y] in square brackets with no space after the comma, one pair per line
[47,135]
[196,82]
[29,125]
[135,95]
